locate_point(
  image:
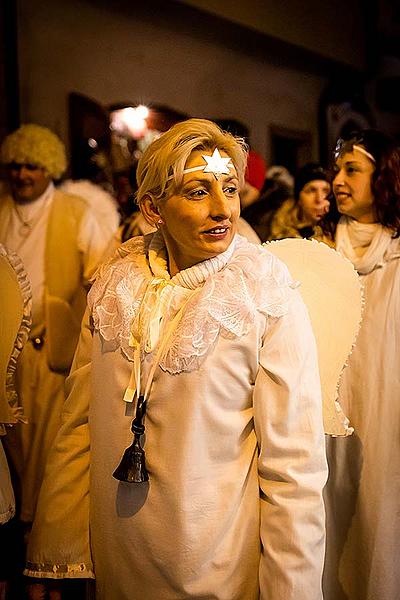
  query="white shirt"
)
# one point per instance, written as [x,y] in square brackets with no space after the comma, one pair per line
[30,243]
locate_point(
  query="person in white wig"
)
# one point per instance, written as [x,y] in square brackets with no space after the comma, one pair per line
[61,243]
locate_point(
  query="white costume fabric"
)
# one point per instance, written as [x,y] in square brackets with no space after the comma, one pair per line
[41,390]
[234,437]
[102,203]
[363,491]
[15,320]
[329,286]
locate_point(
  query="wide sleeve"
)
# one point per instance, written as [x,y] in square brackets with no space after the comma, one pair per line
[59,542]
[292,465]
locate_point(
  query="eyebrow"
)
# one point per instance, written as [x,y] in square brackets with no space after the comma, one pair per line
[351,162]
[208,181]
[230,178]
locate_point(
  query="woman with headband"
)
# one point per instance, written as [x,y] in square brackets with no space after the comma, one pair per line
[363,490]
[196,385]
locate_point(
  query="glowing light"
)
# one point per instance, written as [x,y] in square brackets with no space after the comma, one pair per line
[142,111]
[130,120]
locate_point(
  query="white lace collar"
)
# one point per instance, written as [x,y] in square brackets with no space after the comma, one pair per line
[134,297]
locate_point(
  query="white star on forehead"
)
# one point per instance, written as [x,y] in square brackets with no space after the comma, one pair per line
[216,164]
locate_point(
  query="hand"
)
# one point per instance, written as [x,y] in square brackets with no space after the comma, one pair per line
[45,590]
[326,206]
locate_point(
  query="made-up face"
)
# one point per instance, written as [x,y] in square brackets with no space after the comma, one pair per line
[200,219]
[313,200]
[352,186]
[27,181]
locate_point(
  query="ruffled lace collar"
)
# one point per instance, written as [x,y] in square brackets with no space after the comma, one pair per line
[134,299]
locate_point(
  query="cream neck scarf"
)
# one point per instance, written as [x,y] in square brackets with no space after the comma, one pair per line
[364,245]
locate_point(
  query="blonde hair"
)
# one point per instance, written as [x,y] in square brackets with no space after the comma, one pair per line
[36,145]
[160,170]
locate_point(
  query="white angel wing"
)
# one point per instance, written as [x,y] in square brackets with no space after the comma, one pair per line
[332,292]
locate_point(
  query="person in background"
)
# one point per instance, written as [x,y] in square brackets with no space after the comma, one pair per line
[101,202]
[256,166]
[254,179]
[363,491]
[300,216]
[278,187]
[61,243]
[280,177]
[203,340]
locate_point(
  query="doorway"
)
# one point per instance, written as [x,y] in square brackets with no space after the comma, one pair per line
[290,148]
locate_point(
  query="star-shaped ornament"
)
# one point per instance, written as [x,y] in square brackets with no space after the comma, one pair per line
[216,164]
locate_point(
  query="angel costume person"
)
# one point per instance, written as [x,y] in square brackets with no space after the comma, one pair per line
[362,494]
[61,241]
[209,332]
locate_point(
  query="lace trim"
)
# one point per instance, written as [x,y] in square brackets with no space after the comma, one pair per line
[16,412]
[50,571]
[226,303]
[8,514]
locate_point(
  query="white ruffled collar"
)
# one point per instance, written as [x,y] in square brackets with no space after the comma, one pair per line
[192,277]
[134,299]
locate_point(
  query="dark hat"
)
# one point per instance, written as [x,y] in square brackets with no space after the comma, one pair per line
[309,172]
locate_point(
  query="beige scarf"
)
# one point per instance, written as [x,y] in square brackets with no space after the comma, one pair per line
[364,245]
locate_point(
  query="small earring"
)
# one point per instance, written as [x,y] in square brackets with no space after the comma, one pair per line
[160,221]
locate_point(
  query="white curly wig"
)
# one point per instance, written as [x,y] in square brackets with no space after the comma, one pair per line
[37,145]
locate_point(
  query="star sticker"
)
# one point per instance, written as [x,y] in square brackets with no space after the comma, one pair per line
[216,164]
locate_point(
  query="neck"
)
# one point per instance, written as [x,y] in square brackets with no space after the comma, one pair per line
[176,261]
[172,266]
[366,220]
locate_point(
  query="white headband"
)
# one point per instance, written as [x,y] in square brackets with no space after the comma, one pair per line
[215,164]
[364,151]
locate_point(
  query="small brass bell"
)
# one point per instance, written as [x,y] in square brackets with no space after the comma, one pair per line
[132,468]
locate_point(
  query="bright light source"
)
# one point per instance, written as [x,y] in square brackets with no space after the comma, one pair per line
[130,120]
[142,111]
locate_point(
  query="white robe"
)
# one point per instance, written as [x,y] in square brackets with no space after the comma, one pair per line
[234,444]
[363,490]
[40,389]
